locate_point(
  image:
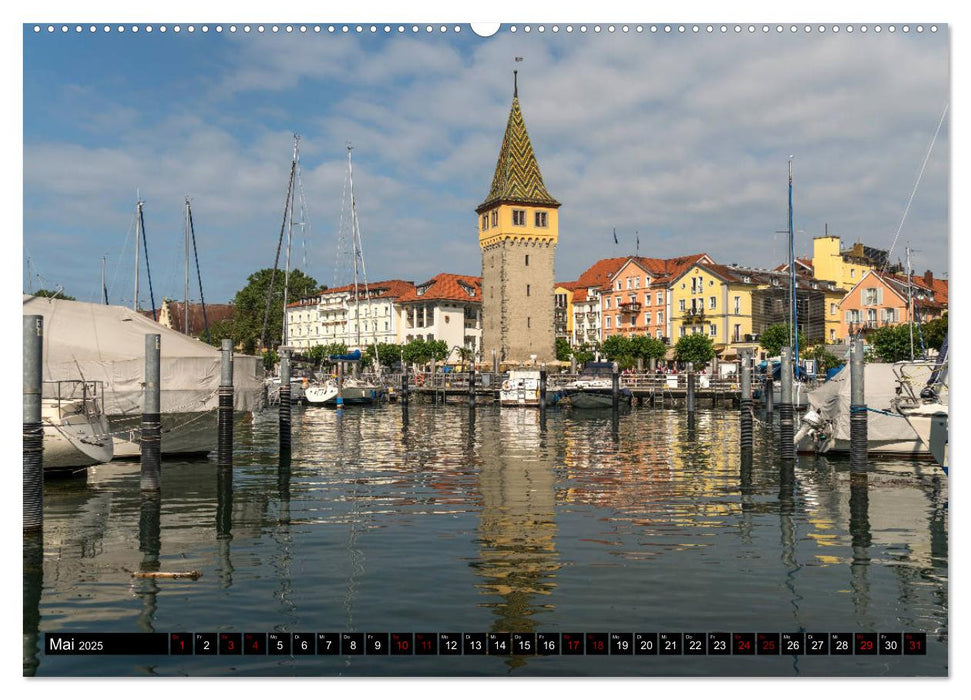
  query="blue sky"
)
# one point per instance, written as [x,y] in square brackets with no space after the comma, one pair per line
[681,137]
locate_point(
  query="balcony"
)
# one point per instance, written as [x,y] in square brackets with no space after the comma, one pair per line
[693,316]
[631,307]
[591,315]
[592,333]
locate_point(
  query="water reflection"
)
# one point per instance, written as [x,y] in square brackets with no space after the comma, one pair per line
[224,524]
[516,535]
[33,586]
[150,546]
[861,540]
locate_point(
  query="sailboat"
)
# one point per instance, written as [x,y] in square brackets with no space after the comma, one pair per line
[351,390]
[76,433]
[927,410]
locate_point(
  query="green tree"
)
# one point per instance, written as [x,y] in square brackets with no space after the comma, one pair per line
[563,350]
[438,349]
[217,331]
[53,294]
[696,348]
[825,360]
[388,354]
[321,353]
[618,349]
[585,353]
[934,332]
[892,343]
[270,358]
[416,352]
[250,303]
[646,347]
[776,337]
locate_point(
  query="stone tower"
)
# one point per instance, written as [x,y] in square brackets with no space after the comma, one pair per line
[517,234]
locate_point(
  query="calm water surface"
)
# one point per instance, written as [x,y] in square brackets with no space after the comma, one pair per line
[573,524]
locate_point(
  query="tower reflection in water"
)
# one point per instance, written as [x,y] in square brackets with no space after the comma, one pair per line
[516,535]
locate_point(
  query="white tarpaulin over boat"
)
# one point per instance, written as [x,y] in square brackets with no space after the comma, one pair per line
[832,401]
[107,343]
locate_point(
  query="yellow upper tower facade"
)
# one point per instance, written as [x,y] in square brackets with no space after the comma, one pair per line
[518,232]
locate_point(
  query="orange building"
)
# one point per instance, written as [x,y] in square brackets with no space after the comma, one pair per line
[881,299]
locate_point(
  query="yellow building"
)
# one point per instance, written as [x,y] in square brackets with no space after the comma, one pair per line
[844,267]
[715,300]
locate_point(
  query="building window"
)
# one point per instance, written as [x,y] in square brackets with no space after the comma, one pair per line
[711,302]
[832,309]
[657,333]
[712,330]
[527,260]
[852,273]
[737,333]
[660,298]
[518,217]
[617,285]
[540,219]
[527,290]
[628,282]
[637,283]
[485,222]
[607,322]
[659,318]
[528,324]
[681,332]
[495,217]
[680,304]
[738,305]
[606,302]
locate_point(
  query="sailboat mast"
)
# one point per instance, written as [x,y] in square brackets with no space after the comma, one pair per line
[794,308]
[185,326]
[138,230]
[286,273]
[354,248]
[910,303]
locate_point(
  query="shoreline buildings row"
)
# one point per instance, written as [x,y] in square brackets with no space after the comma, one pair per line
[515,310]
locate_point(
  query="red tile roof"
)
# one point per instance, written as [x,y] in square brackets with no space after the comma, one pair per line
[386,289]
[446,286]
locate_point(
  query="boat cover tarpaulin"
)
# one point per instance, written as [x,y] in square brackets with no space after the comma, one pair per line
[832,401]
[107,343]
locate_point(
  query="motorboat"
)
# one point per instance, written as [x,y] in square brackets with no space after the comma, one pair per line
[926,409]
[594,387]
[522,388]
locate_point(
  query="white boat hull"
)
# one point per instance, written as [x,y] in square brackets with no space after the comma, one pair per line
[186,434]
[75,441]
[592,399]
[930,423]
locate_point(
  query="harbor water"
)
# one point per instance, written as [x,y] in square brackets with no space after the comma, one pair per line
[512,522]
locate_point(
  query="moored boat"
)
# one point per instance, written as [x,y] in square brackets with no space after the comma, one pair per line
[76,433]
[594,387]
[522,389]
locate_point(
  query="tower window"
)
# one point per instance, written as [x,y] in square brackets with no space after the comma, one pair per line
[485,222]
[518,217]
[527,261]
[495,217]
[527,322]
[541,219]
[527,290]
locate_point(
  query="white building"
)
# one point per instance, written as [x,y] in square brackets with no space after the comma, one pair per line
[336,316]
[447,307]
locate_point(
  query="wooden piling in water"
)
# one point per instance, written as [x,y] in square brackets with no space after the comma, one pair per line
[151,441]
[285,407]
[787,448]
[224,428]
[33,474]
[745,401]
[858,410]
[615,388]
[690,393]
[542,388]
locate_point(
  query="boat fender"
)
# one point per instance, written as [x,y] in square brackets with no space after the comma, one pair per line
[506,386]
[420,380]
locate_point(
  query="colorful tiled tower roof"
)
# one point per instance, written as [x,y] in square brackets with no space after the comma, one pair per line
[517,179]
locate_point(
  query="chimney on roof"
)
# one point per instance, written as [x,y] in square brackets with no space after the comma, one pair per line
[929,279]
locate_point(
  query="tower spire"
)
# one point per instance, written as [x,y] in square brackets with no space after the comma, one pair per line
[515,84]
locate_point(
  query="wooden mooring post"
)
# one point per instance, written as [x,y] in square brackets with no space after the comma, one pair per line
[224,427]
[33,475]
[858,411]
[151,440]
[285,407]
[745,401]
[787,448]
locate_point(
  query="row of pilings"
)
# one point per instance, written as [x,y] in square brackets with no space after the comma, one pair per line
[150,477]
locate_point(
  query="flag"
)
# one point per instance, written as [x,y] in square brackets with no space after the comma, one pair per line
[638,235]
[615,236]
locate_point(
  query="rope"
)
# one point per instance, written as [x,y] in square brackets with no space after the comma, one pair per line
[864,409]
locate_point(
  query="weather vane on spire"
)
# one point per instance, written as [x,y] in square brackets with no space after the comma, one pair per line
[515,81]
